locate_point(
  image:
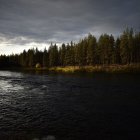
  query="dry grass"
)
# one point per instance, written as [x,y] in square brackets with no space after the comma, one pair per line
[131,68]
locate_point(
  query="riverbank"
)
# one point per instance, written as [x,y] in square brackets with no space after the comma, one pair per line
[131,68]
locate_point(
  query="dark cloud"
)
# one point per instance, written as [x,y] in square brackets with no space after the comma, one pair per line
[25,21]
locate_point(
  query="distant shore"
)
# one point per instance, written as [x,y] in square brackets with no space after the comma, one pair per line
[131,68]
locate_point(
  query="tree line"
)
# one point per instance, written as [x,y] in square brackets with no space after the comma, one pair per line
[88,51]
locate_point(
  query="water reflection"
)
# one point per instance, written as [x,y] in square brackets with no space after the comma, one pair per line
[9,82]
[8,86]
[10,74]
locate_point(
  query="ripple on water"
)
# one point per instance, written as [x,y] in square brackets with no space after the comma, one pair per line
[8,86]
[69,106]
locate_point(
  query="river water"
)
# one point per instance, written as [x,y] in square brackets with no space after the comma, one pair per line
[69,107]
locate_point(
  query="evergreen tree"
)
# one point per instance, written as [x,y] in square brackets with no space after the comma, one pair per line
[53,55]
[45,58]
[124,47]
[62,54]
[117,51]
[91,50]
[105,48]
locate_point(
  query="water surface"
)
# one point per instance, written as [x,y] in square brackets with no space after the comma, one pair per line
[69,107]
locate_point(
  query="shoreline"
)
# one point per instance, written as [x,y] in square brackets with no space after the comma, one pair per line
[131,68]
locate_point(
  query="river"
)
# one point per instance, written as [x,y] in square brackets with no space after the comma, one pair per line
[34,106]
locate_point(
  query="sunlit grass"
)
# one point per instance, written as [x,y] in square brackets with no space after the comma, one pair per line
[131,68]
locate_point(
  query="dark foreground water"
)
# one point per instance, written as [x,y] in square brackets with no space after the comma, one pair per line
[69,107]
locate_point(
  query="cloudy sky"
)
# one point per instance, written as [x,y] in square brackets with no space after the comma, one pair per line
[35,23]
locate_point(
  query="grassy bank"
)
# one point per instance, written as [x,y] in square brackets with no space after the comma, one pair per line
[131,68]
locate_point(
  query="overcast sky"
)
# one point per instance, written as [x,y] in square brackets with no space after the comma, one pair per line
[35,23]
